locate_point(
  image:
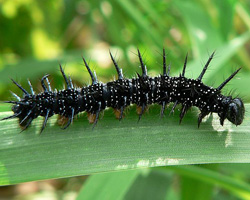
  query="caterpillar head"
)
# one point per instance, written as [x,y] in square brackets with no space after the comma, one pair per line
[236,111]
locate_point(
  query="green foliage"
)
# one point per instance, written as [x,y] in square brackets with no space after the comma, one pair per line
[36,35]
[156,184]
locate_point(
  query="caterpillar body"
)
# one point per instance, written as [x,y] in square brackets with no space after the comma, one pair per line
[142,90]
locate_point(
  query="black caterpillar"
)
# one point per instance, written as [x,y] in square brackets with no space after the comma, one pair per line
[142,91]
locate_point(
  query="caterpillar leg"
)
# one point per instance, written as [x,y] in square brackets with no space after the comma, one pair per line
[140,110]
[91,117]
[97,114]
[119,113]
[70,119]
[62,120]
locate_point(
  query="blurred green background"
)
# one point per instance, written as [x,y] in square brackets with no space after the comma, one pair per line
[37,35]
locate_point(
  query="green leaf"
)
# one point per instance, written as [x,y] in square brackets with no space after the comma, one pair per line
[153,185]
[196,189]
[238,188]
[134,13]
[203,34]
[108,185]
[132,184]
[115,145]
[225,11]
[235,169]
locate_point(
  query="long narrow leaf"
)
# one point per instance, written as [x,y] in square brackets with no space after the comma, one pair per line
[238,188]
[115,145]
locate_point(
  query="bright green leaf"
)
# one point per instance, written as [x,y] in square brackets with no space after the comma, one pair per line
[115,145]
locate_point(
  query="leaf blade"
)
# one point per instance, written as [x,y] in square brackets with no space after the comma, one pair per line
[113,146]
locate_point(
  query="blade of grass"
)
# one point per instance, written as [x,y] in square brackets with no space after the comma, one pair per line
[225,11]
[203,34]
[195,189]
[108,185]
[132,184]
[139,19]
[112,146]
[151,186]
[235,169]
[238,188]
